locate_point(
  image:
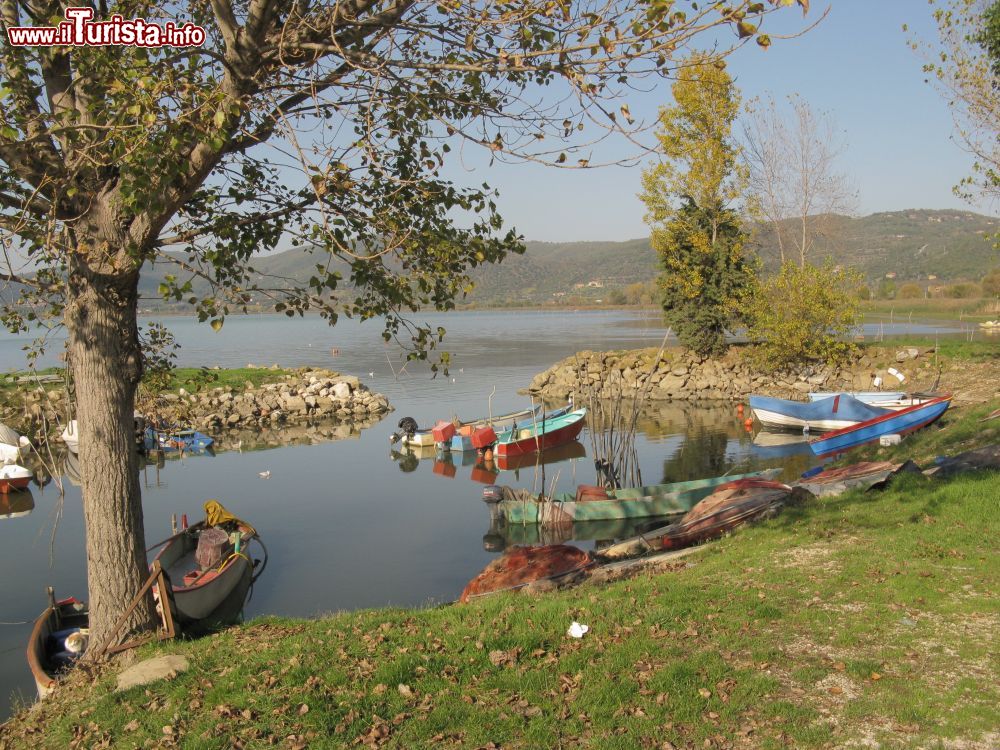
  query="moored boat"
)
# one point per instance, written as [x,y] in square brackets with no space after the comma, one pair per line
[71,436]
[210,569]
[883,399]
[521,566]
[457,435]
[892,423]
[597,504]
[177,439]
[57,640]
[14,477]
[475,435]
[730,505]
[534,435]
[832,413]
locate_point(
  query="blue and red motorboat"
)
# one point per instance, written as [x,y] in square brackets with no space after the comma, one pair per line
[898,422]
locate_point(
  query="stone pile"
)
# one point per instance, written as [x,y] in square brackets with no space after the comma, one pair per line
[306,395]
[686,376]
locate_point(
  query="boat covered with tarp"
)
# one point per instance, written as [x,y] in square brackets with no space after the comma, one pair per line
[866,474]
[831,413]
[521,566]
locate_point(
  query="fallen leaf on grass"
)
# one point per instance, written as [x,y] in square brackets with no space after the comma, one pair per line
[835,690]
[876,676]
[303,709]
[704,693]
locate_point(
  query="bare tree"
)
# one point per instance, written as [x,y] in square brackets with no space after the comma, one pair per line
[794,182]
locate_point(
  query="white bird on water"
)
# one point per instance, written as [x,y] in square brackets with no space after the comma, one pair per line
[264,474]
[371,374]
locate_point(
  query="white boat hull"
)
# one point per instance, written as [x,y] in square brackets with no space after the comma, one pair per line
[71,436]
[774,420]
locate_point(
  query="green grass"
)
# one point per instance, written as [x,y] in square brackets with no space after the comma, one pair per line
[936,308]
[194,379]
[868,617]
[959,429]
[948,348]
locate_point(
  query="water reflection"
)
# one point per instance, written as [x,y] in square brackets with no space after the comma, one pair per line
[16,503]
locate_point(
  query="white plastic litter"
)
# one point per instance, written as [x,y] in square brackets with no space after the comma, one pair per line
[897,374]
[876,382]
[265,474]
[576,630]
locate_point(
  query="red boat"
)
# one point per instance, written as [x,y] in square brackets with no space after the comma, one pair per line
[14,477]
[535,435]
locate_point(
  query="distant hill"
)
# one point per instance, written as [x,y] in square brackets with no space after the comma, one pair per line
[912,244]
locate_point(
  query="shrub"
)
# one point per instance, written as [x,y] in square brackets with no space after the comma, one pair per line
[910,291]
[991,283]
[804,314]
[964,290]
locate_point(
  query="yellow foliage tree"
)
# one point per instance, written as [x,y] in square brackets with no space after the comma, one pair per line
[690,198]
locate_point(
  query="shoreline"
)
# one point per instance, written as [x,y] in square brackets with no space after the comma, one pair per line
[857,618]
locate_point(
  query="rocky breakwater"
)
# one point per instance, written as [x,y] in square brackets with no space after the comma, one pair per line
[306,394]
[685,376]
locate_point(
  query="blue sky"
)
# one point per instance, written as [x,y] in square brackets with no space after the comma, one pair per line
[856,65]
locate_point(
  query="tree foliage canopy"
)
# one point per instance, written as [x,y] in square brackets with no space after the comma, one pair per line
[701,242]
[804,314]
[965,66]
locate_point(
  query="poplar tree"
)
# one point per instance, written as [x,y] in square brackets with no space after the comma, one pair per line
[691,200]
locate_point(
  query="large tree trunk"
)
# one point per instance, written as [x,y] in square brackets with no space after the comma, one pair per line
[106,362]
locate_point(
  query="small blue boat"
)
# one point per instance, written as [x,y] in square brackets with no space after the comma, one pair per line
[894,423]
[176,440]
[832,413]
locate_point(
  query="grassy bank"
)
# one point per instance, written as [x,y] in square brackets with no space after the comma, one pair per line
[868,618]
[934,308]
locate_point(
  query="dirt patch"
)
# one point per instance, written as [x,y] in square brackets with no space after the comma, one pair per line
[812,556]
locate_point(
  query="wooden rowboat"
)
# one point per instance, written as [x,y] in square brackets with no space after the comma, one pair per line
[729,506]
[596,504]
[14,477]
[893,423]
[831,413]
[534,435]
[48,656]
[447,435]
[208,597]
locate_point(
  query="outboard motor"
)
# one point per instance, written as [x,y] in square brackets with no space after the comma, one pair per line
[407,426]
[492,494]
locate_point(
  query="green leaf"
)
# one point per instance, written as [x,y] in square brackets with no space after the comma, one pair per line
[216,324]
[764,41]
[745,29]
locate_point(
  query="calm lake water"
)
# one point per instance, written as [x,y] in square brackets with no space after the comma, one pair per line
[348,524]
